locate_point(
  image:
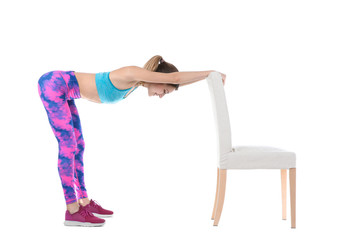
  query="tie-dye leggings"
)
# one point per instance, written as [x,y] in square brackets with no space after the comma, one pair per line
[57,90]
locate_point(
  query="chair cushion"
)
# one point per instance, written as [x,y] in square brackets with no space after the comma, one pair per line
[257,157]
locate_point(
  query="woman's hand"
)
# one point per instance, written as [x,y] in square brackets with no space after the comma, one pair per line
[223,77]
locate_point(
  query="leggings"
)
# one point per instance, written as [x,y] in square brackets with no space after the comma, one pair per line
[57,90]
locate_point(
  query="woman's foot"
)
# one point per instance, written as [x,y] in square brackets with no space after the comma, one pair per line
[97,210]
[82,218]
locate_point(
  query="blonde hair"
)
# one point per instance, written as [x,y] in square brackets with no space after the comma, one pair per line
[157,64]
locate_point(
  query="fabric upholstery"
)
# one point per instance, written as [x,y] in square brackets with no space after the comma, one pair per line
[257,157]
[241,157]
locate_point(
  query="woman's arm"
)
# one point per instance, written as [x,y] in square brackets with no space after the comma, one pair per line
[183,84]
[186,82]
[137,74]
[140,74]
[185,78]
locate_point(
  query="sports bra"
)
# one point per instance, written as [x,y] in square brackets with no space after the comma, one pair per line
[107,92]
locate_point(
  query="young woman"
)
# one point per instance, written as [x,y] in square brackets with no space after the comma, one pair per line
[58,89]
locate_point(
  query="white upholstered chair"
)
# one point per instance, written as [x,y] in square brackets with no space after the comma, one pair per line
[245,157]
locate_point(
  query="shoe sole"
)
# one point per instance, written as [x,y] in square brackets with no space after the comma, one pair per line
[83,224]
[102,215]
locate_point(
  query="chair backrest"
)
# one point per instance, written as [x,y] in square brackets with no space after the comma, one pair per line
[220,111]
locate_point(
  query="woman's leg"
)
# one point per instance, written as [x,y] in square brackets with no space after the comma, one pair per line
[79,172]
[52,90]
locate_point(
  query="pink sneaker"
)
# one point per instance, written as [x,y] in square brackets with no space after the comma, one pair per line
[97,210]
[82,218]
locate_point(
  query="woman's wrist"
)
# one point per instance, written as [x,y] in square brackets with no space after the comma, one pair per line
[210,71]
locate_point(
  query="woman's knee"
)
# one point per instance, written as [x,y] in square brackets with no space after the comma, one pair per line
[81,145]
[68,148]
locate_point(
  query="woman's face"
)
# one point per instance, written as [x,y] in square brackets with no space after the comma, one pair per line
[160,89]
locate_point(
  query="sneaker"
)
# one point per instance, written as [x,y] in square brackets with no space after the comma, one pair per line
[82,218]
[97,210]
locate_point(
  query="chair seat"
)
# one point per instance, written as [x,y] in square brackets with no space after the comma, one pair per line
[257,157]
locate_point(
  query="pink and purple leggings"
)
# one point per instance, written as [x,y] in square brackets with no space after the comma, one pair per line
[57,90]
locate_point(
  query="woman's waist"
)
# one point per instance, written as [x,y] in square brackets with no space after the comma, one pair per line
[87,84]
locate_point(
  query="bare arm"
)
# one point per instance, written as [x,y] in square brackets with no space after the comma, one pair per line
[185,78]
[135,73]
[184,84]
[198,79]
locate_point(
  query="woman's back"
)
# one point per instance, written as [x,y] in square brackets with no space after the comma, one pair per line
[88,87]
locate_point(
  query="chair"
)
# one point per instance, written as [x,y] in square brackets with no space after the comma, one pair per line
[245,157]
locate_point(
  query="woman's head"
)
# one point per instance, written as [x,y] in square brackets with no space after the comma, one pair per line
[157,64]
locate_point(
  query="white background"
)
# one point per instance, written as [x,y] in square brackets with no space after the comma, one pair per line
[153,161]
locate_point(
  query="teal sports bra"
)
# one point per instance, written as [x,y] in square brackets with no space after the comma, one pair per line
[107,92]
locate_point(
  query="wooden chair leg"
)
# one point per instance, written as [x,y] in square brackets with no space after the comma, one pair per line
[292,175]
[284,189]
[221,195]
[216,194]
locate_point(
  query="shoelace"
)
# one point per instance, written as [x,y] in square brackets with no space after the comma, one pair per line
[84,212]
[95,204]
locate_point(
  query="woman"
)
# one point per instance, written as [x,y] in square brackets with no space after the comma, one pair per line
[58,89]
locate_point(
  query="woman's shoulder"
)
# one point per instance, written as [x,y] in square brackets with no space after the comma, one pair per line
[120,78]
